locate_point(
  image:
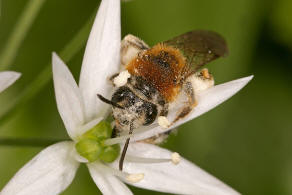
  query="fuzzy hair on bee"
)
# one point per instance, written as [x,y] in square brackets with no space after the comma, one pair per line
[155,80]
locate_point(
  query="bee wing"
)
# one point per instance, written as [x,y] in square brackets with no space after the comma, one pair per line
[131,46]
[199,47]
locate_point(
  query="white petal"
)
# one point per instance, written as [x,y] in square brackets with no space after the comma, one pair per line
[7,78]
[48,173]
[107,183]
[207,100]
[68,97]
[101,58]
[183,178]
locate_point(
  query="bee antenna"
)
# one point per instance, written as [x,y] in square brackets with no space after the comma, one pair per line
[123,155]
[109,102]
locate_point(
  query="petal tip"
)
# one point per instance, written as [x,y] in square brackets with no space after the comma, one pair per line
[55,58]
[244,81]
[7,78]
[12,75]
[58,64]
[15,75]
[248,78]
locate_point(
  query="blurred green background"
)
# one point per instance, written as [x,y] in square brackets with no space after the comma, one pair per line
[245,142]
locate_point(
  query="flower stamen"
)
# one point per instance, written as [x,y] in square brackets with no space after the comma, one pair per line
[136,159]
[175,159]
[117,140]
[133,178]
[123,138]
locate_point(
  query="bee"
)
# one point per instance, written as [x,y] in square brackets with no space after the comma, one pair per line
[154,79]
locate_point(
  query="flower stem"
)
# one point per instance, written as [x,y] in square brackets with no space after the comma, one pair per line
[29,142]
[18,33]
[44,77]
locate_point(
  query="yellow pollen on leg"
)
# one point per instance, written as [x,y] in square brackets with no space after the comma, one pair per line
[206,73]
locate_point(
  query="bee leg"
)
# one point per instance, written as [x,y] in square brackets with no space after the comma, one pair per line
[115,132]
[158,139]
[131,46]
[123,155]
[190,104]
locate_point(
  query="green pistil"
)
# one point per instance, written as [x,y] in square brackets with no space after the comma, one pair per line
[91,144]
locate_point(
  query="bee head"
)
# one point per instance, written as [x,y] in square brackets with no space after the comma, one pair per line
[135,110]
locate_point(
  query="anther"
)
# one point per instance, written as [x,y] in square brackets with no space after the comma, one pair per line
[134,178]
[163,122]
[175,158]
[122,78]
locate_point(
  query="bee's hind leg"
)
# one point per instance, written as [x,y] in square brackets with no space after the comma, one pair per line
[199,81]
[189,105]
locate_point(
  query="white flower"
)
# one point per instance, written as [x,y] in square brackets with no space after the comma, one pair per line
[151,167]
[7,78]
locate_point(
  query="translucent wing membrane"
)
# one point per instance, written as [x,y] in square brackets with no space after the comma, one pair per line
[199,47]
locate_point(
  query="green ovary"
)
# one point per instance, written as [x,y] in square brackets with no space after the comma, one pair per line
[110,153]
[91,144]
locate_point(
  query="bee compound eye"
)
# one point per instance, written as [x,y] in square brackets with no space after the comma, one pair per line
[124,94]
[150,111]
